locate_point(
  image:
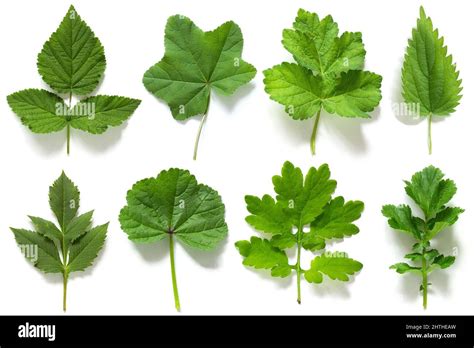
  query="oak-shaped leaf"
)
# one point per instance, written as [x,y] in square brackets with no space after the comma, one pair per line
[303,216]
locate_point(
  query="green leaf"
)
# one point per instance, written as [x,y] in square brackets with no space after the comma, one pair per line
[283,241]
[353,94]
[312,242]
[303,201]
[334,266]
[442,262]
[320,49]
[327,75]
[39,250]
[337,219]
[403,268]
[108,111]
[428,189]
[37,110]
[431,192]
[47,229]
[64,200]
[401,218]
[72,61]
[68,248]
[267,215]
[194,63]
[174,203]
[429,76]
[259,253]
[85,249]
[445,218]
[78,226]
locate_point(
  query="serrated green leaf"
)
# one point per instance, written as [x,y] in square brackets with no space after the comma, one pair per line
[47,228]
[335,266]
[72,61]
[328,74]
[259,253]
[403,268]
[430,191]
[337,219]
[37,110]
[429,75]
[78,226]
[109,111]
[283,241]
[64,199]
[442,262]
[353,94]
[401,218]
[445,218]
[303,201]
[71,246]
[174,203]
[267,215]
[312,242]
[85,249]
[39,248]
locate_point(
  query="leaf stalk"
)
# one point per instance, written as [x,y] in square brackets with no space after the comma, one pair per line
[313,134]
[430,116]
[298,264]
[173,275]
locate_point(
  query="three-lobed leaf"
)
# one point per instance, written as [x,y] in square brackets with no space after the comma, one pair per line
[72,63]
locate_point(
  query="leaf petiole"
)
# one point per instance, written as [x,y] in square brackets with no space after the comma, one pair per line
[173,275]
[313,134]
[430,116]
[196,143]
[65,278]
[298,265]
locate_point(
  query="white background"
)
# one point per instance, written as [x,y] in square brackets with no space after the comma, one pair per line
[244,143]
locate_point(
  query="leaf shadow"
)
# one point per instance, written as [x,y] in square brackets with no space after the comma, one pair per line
[347,130]
[98,142]
[152,252]
[49,144]
[230,101]
[331,287]
[264,274]
[410,283]
[207,258]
